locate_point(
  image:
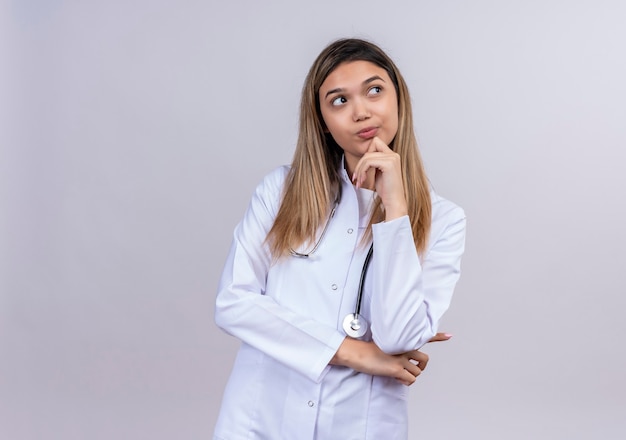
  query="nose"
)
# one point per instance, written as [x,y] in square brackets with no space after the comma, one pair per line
[360,110]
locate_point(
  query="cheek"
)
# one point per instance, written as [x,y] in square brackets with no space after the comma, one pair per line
[394,119]
[393,129]
[326,121]
[395,125]
[331,124]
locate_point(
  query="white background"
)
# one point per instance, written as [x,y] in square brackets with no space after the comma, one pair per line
[132,136]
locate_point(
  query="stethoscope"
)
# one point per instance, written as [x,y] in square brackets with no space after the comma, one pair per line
[354,325]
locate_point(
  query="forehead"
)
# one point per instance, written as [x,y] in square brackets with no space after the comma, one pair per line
[353,74]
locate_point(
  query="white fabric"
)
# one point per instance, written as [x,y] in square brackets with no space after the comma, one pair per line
[288,316]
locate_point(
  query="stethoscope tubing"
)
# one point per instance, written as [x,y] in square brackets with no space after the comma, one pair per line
[354,325]
[359,297]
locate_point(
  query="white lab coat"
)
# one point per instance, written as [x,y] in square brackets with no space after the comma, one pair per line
[288,316]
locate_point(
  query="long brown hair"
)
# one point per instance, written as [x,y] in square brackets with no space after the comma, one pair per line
[313,182]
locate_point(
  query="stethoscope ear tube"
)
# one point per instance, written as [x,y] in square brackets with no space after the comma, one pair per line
[354,324]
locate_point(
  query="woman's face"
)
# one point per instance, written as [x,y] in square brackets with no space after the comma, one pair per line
[358,102]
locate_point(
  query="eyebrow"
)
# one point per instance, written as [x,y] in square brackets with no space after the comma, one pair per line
[367,81]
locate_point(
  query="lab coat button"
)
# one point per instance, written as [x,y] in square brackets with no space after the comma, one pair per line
[334,287]
[350,231]
[311,403]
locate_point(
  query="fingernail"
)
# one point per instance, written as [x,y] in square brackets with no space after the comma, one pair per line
[448,335]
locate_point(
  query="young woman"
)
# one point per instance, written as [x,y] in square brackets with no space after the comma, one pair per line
[341,267]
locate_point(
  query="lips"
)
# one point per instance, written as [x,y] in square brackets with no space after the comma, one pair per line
[367,133]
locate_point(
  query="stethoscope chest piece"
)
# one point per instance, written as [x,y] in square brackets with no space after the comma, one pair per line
[354,325]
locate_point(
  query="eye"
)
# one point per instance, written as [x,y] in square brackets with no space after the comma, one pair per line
[375,90]
[338,100]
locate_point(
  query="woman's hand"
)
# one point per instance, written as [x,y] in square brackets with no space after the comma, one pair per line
[382,165]
[366,357]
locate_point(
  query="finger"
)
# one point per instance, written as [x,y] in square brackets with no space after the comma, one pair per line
[419,357]
[371,162]
[412,368]
[404,382]
[378,145]
[362,175]
[364,168]
[407,377]
[440,337]
[372,146]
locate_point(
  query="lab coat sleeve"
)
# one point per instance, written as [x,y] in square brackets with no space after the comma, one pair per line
[409,297]
[244,311]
